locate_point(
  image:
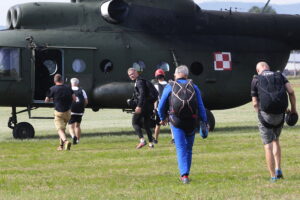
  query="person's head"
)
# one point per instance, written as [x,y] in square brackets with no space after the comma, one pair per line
[133,74]
[181,72]
[58,79]
[159,74]
[262,66]
[74,82]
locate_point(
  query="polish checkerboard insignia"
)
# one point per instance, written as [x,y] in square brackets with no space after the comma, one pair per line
[222,61]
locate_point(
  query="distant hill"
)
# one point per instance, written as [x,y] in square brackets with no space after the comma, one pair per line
[244,7]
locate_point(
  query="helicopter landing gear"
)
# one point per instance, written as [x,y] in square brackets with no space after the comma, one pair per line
[211,120]
[21,130]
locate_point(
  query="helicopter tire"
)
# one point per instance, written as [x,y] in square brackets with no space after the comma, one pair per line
[23,130]
[211,120]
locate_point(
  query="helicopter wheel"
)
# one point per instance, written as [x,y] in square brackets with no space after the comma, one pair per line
[211,120]
[23,130]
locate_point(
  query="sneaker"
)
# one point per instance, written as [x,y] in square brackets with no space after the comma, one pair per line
[278,174]
[67,145]
[75,140]
[60,148]
[273,179]
[172,141]
[155,141]
[151,145]
[185,179]
[141,144]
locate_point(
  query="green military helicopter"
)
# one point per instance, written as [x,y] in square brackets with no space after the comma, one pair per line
[98,40]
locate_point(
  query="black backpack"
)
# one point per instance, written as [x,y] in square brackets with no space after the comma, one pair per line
[151,92]
[183,100]
[78,106]
[272,93]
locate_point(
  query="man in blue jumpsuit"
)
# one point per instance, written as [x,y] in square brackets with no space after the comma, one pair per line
[184,130]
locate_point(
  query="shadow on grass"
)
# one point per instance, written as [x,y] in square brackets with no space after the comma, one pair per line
[166,131]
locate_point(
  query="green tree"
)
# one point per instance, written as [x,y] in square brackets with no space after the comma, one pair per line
[268,10]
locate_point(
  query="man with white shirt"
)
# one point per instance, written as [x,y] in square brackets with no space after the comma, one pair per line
[77,110]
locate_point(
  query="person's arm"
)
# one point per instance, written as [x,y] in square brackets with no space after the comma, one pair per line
[86,101]
[141,87]
[254,93]
[201,108]
[49,96]
[292,97]
[162,103]
[255,103]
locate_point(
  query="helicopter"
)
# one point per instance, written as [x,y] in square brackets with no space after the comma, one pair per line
[98,40]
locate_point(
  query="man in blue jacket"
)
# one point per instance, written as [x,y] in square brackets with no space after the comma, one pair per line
[184,119]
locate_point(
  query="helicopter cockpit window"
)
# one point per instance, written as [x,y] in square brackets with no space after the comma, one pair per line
[78,65]
[164,66]
[139,66]
[51,66]
[9,62]
[106,66]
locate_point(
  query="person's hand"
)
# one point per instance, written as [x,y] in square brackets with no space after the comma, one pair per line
[138,110]
[204,127]
[164,122]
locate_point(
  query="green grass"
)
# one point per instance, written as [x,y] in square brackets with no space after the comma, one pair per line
[229,164]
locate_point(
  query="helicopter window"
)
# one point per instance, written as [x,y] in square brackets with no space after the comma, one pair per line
[196,68]
[78,65]
[164,66]
[139,66]
[51,66]
[106,66]
[9,62]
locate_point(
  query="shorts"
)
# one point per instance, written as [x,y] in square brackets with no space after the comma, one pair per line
[61,119]
[269,135]
[75,119]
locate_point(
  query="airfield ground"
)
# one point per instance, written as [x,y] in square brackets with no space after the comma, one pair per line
[229,164]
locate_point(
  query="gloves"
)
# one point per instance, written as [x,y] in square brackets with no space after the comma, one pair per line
[203,130]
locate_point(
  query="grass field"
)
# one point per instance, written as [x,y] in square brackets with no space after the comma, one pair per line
[229,164]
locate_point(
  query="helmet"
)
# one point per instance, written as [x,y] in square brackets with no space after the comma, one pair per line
[291,118]
[159,72]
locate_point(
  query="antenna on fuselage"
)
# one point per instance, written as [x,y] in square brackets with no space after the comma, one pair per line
[263,10]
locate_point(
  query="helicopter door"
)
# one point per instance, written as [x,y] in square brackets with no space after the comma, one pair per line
[47,63]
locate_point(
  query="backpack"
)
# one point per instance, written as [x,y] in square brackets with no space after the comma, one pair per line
[161,88]
[78,106]
[151,92]
[183,100]
[272,93]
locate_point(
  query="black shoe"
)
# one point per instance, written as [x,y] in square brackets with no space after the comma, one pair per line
[278,174]
[172,141]
[74,140]
[155,141]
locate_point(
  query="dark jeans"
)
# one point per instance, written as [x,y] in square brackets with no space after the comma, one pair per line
[142,120]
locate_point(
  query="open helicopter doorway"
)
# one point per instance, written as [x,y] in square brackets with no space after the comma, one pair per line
[47,63]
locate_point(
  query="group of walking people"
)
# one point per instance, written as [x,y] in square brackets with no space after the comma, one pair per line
[179,103]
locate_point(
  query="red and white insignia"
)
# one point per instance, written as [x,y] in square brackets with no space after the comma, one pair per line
[222,61]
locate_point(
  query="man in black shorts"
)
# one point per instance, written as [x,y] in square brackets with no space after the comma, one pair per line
[77,110]
[265,88]
[62,96]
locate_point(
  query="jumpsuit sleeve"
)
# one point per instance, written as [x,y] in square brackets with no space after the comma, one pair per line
[202,111]
[162,102]
[141,87]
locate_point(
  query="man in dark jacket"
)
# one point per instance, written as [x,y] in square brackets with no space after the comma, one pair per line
[143,109]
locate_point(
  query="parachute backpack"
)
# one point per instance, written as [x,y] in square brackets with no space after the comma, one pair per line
[183,100]
[272,93]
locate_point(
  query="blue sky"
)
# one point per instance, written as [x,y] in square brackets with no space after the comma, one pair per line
[6,4]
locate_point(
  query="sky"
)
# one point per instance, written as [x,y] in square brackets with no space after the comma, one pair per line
[6,4]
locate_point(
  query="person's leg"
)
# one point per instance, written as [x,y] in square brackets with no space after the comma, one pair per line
[156,132]
[190,142]
[136,124]
[181,150]
[270,158]
[72,129]
[77,130]
[147,125]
